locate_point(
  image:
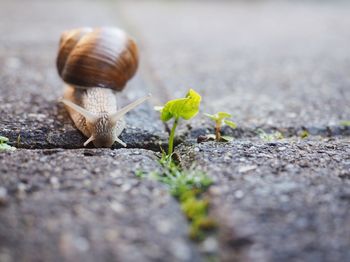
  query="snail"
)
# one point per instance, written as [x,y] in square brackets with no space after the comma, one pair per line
[96,63]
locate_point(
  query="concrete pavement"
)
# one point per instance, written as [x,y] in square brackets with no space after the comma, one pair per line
[277,66]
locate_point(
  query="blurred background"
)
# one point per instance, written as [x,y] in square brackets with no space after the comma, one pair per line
[274,63]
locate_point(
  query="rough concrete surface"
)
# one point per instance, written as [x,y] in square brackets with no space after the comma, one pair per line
[87,205]
[278,201]
[269,63]
[280,66]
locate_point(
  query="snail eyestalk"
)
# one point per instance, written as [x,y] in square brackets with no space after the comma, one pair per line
[120,141]
[91,138]
[88,115]
[114,117]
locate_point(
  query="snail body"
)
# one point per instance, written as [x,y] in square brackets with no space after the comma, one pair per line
[96,64]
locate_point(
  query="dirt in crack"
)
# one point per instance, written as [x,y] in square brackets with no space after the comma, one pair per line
[188,187]
[72,139]
[270,133]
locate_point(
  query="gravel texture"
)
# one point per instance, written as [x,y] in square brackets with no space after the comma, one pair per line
[87,205]
[278,201]
[279,66]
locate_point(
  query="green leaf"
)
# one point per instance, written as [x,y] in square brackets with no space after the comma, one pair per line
[223,115]
[230,124]
[219,116]
[183,107]
[227,138]
[6,147]
[3,139]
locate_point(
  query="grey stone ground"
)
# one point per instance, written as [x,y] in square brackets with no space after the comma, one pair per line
[279,66]
[278,201]
[240,55]
[87,205]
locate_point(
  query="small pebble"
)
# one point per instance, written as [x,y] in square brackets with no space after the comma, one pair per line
[239,194]
[81,244]
[180,250]
[21,190]
[125,187]
[54,181]
[13,63]
[245,169]
[3,196]
[201,139]
[215,190]
[117,207]
[210,245]
[21,187]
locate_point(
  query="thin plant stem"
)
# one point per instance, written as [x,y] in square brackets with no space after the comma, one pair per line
[171,137]
[217,131]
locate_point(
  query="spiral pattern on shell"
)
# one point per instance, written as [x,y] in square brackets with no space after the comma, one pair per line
[97,57]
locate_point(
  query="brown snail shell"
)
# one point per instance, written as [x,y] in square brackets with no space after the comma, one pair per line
[101,57]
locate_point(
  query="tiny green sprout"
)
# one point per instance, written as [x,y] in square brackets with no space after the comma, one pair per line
[304,134]
[4,146]
[185,108]
[269,137]
[3,139]
[140,174]
[220,120]
[345,123]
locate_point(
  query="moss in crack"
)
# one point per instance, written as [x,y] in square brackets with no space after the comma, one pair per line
[269,137]
[4,146]
[187,186]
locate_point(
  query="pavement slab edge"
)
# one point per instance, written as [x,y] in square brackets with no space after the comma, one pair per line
[88,205]
[278,201]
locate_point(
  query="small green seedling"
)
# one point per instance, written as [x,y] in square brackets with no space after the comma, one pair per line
[269,137]
[345,123]
[185,108]
[220,120]
[304,134]
[185,185]
[4,146]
